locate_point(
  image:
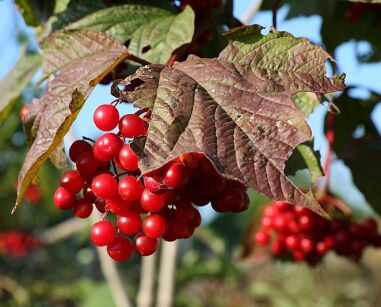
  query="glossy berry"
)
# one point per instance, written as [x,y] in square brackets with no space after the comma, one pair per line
[107,147]
[106,117]
[154,226]
[176,230]
[130,188]
[104,186]
[102,233]
[177,176]
[229,200]
[88,192]
[262,238]
[87,164]
[128,159]
[152,202]
[145,245]
[120,249]
[24,111]
[184,211]
[196,219]
[72,181]
[82,208]
[153,184]
[118,205]
[63,198]
[129,222]
[77,148]
[100,204]
[131,125]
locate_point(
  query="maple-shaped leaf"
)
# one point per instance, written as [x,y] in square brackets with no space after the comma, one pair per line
[236,108]
[82,58]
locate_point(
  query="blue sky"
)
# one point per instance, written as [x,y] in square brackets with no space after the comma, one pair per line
[366,75]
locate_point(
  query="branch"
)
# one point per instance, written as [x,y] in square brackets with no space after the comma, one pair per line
[137,59]
[147,281]
[63,230]
[275,11]
[166,282]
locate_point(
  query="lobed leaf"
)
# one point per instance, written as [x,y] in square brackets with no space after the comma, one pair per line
[95,55]
[236,108]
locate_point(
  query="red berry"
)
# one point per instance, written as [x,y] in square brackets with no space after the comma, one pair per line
[72,181]
[88,192]
[131,125]
[145,245]
[87,164]
[153,184]
[152,202]
[118,205]
[130,188]
[277,247]
[104,186]
[128,159]
[196,219]
[262,238]
[107,147]
[154,226]
[77,148]
[102,233]
[306,222]
[230,199]
[100,204]
[177,176]
[370,227]
[24,111]
[63,198]
[176,229]
[120,249]
[129,222]
[292,242]
[82,208]
[306,245]
[184,210]
[106,117]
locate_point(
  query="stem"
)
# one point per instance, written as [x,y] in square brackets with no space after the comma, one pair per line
[115,170]
[330,135]
[63,230]
[147,281]
[275,8]
[166,282]
[88,139]
[137,59]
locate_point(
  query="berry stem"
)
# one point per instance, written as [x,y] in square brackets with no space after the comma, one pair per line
[330,135]
[138,60]
[275,8]
[88,139]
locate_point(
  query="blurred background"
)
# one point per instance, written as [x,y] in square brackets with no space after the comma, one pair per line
[46,258]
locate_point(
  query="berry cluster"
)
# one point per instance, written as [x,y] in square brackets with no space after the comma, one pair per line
[156,205]
[301,233]
[17,244]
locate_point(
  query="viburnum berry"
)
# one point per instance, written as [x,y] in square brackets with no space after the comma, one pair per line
[177,176]
[64,199]
[72,181]
[87,164]
[262,238]
[77,148]
[102,233]
[107,147]
[100,204]
[120,249]
[229,200]
[106,117]
[117,205]
[129,222]
[104,186]
[128,159]
[130,188]
[131,125]
[88,192]
[82,208]
[24,111]
[184,210]
[152,202]
[196,219]
[153,184]
[145,245]
[154,226]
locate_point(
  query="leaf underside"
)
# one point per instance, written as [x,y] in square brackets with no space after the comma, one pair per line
[237,109]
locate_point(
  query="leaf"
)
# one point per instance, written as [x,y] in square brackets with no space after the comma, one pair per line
[162,36]
[306,102]
[305,157]
[236,108]
[363,157]
[35,11]
[14,83]
[95,55]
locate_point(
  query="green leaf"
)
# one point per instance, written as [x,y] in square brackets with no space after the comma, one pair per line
[14,83]
[35,11]
[236,108]
[95,55]
[306,102]
[305,157]
[156,40]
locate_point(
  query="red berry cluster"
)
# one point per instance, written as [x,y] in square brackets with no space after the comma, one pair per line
[17,244]
[159,204]
[306,236]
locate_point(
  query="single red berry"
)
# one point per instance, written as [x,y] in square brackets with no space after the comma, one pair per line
[107,147]
[184,210]
[262,238]
[306,222]
[131,125]
[177,176]
[72,181]
[270,211]
[87,164]
[292,242]
[77,148]
[104,186]
[370,227]
[266,222]
[230,199]
[102,233]
[129,222]
[24,111]
[298,255]
[88,192]
[145,245]
[128,159]
[152,202]
[176,229]
[100,204]
[130,188]
[106,117]
[154,226]
[277,247]
[280,223]
[306,245]
[118,205]
[120,249]
[63,198]
[153,184]
[82,208]
[196,219]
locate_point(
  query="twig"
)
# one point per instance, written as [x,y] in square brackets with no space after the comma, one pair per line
[63,230]
[275,8]
[137,59]
[147,281]
[166,282]
[15,289]
[251,11]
